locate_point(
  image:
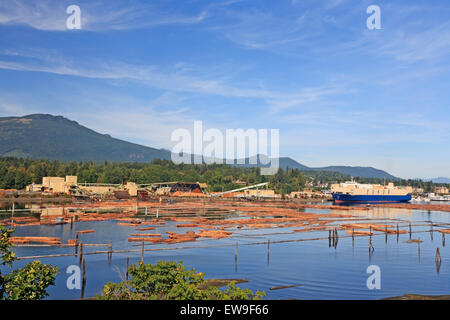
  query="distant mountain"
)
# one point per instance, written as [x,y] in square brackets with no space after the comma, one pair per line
[44,136]
[363,172]
[440,180]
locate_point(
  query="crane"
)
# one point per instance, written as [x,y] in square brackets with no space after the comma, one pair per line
[240,189]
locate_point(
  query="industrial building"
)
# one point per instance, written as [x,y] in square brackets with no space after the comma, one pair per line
[70,185]
[54,184]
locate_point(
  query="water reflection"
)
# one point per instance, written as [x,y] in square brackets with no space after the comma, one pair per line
[325,272]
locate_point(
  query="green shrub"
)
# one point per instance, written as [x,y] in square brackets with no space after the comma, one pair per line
[170,281]
[27,283]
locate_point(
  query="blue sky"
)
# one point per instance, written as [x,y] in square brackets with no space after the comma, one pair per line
[340,94]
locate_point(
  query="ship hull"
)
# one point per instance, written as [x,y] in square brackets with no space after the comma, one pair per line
[348,198]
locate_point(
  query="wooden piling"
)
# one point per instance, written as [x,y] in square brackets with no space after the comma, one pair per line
[83,285]
[398,233]
[370,242]
[410,231]
[336,238]
[235,257]
[81,252]
[431,231]
[386,234]
[438,256]
[76,245]
[142,253]
[353,237]
[71,222]
[110,251]
[329,238]
[443,239]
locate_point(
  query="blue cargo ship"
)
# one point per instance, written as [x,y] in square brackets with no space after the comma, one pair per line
[352,192]
[341,198]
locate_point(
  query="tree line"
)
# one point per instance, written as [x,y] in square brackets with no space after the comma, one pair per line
[17,173]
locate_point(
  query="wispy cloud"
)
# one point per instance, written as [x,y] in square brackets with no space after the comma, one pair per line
[419,45]
[11,109]
[166,80]
[95,16]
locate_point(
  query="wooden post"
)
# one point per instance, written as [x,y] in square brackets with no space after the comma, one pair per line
[410,231]
[128,261]
[329,238]
[110,251]
[336,238]
[398,233]
[76,245]
[431,231]
[71,222]
[84,279]
[235,257]
[157,213]
[386,236]
[438,256]
[353,237]
[142,253]
[146,210]
[443,239]
[81,252]
[12,213]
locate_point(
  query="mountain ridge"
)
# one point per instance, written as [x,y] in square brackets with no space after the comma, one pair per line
[46,136]
[439,180]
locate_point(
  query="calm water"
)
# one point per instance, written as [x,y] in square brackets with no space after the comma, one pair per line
[322,272]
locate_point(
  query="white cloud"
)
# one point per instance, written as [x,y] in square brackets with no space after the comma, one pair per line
[51,15]
[9,109]
[154,77]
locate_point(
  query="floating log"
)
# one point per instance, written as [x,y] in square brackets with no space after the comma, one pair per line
[359,232]
[181,237]
[128,224]
[85,231]
[152,239]
[285,287]
[46,240]
[311,229]
[377,227]
[188,225]
[216,234]
[414,241]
